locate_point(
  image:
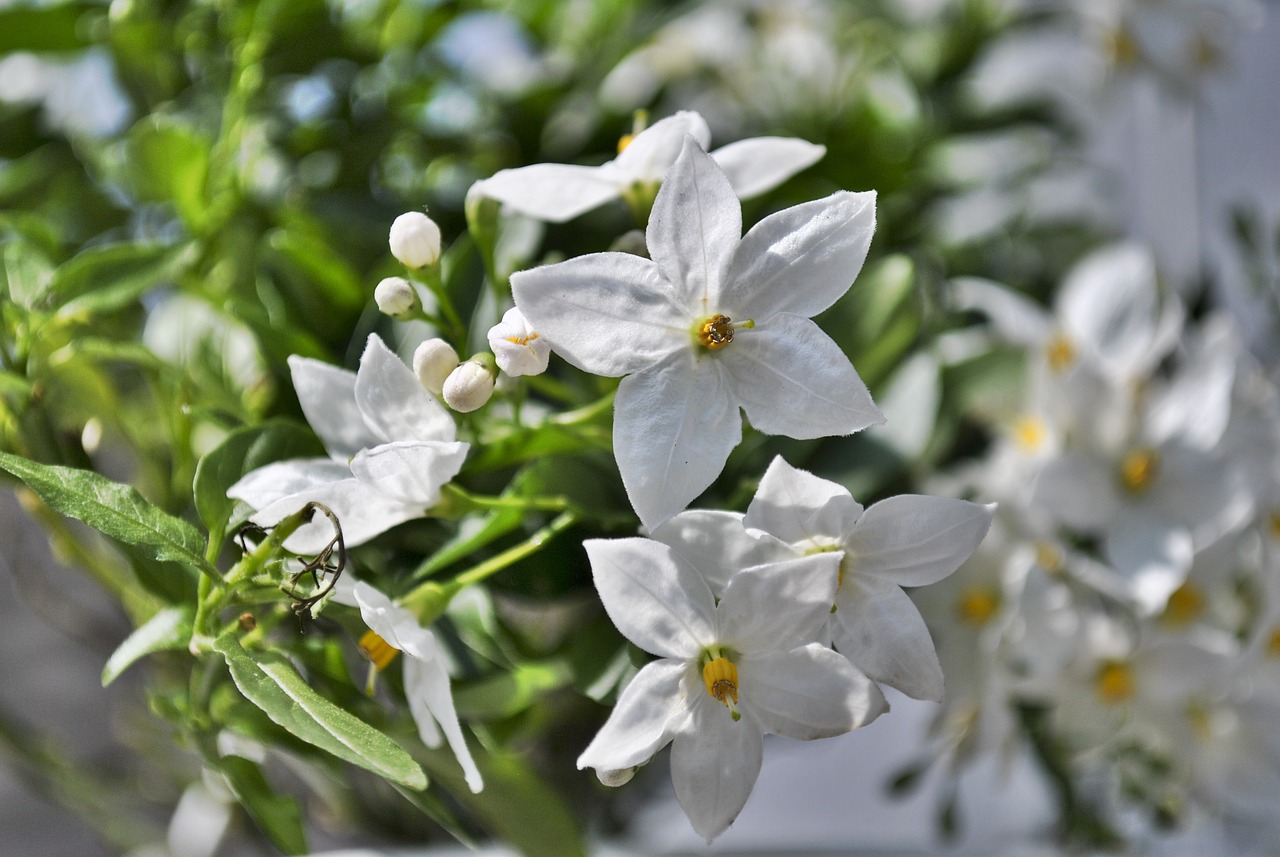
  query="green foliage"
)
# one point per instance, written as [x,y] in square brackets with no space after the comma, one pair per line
[168,630]
[277,816]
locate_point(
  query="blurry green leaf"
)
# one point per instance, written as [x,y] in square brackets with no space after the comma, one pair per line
[101,279]
[533,443]
[14,386]
[276,815]
[113,509]
[328,274]
[44,28]
[469,539]
[269,681]
[26,273]
[167,630]
[910,404]
[169,162]
[509,693]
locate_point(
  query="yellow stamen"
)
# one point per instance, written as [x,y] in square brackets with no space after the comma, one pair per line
[1049,557]
[1273,642]
[1122,47]
[1030,432]
[1060,353]
[377,650]
[522,340]
[716,332]
[1204,53]
[624,141]
[1114,683]
[1273,523]
[721,678]
[978,605]
[1185,605]
[1138,469]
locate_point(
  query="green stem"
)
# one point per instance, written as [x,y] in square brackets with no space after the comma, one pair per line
[586,413]
[465,501]
[431,278]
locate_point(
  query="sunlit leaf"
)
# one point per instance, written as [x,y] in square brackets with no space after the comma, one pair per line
[167,630]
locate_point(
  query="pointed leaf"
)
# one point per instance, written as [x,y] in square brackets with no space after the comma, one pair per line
[167,630]
[277,816]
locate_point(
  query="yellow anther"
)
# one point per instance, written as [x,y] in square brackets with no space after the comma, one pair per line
[1273,523]
[624,141]
[522,340]
[1138,469]
[377,650]
[1114,682]
[1273,642]
[1122,47]
[1204,53]
[1185,605]
[1049,557]
[721,677]
[1030,432]
[1060,353]
[716,332]
[978,605]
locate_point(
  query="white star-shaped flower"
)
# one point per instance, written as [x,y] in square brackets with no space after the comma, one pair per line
[560,192]
[517,347]
[728,672]
[391,449]
[717,321]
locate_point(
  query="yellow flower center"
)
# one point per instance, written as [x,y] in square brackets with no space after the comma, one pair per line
[522,340]
[721,678]
[1060,353]
[978,605]
[1138,469]
[1122,47]
[1114,683]
[1049,557]
[1030,432]
[377,650]
[716,332]
[1273,523]
[624,141]
[1273,642]
[1185,605]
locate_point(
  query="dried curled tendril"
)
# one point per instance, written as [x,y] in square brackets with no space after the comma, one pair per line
[329,561]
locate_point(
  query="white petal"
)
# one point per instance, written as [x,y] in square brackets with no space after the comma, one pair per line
[1016,318]
[878,628]
[717,544]
[517,347]
[803,258]
[715,762]
[674,426]
[778,606]
[410,471]
[694,229]
[652,152]
[362,511]
[656,598]
[1153,554]
[914,540]
[760,164]
[802,509]
[426,685]
[393,401]
[606,313]
[551,192]
[328,398]
[792,380]
[807,693]
[646,715]
[264,486]
[1079,490]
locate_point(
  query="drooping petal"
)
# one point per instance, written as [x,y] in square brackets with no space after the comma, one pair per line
[802,509]
[652,152]
[328,398]
[694,229]
[362,511]
[715,762]
[801,259]
[915,540]
[264,486]
[647,714]
[393,401]
[792,380]
[426,685]
[606,313]
[760,164]
[717,544]
[878,628]
[808,692]
[674,426]
[551,192]
[410,471]
[778,606]
[653,595]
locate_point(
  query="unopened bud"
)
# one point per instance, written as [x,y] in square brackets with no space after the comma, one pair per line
[432,362]
[517,347]
[470,385]
[395,297]
[613,779]
[415,239]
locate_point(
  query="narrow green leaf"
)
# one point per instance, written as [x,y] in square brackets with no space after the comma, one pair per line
[314,258]
[167,630]
[102,279]
[270,682]
[169,162]
[509,693]
[277,816]
[43,29]
[112,509]
[26,271]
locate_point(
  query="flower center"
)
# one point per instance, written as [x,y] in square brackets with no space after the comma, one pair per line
[522,340]
[1185,605]
[721,678]
[1029,432]
[716,332]
[977,605]
[1273,523]
[1114,683]
[377,650]
[624,141]
[1060,353]
[1273,642]
[1049,557]
[1138,469]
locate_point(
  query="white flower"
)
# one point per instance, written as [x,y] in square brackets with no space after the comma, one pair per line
[715,322]
[727,674]
[391,449]
[560,192]
[468,386]
[395,297]
[432,362]
[517,346]
[415,239]
[908,540]
[426,675]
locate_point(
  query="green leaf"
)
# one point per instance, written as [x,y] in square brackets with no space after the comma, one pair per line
[509,693]
[169,162]
[270,682]
[26,271]
[167,630]
[276,815]
[43,29]
[102,279]
[114,510]
[321,268]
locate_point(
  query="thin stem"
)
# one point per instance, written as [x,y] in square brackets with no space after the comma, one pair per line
[477,501]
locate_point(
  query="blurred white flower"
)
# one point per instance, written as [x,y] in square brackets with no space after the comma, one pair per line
[517,347]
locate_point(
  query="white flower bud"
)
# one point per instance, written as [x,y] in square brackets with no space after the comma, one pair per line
[415,240]
[518,347]
[432,362]
[396,297]
[470,385]
[613,779]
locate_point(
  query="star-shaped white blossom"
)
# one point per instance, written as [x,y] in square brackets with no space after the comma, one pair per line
[560,192]
[728,672]
[717,321]
[517,347]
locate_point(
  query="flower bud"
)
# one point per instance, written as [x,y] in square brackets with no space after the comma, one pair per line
[613,779]
[517,347]
[415,240]
[396,297]
[470,385]
[432,363]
